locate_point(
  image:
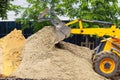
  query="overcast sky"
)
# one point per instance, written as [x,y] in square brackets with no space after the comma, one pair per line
[11,14]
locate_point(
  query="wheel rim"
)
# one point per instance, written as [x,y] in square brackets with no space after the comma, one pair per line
[107,65]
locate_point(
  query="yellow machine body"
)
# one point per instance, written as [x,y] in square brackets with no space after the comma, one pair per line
[112,31]
[112,44]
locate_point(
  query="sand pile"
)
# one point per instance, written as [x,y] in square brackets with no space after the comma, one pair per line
[10,52]
[1,63]
[77,50]
[42,60]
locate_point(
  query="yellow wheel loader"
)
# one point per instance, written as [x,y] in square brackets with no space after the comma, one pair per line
[106,57]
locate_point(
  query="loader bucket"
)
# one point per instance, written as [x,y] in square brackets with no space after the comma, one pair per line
[62,31]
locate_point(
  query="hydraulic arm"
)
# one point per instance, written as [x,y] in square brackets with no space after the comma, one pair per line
[112,31]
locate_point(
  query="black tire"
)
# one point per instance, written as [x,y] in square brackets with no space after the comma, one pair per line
[104,56]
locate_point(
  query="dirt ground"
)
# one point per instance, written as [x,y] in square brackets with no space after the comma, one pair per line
[42,59]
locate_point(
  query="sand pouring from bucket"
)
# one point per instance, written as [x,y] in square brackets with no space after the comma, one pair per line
[61,29]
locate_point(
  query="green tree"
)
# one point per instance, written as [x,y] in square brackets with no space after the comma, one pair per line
[5,6]
[105,10]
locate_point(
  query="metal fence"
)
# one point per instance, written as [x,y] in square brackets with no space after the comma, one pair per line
[7,26]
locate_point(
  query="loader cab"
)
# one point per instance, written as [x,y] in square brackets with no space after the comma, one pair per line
[110,44]
[104,45]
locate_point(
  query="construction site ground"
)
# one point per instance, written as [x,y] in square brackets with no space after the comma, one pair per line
[39,58]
